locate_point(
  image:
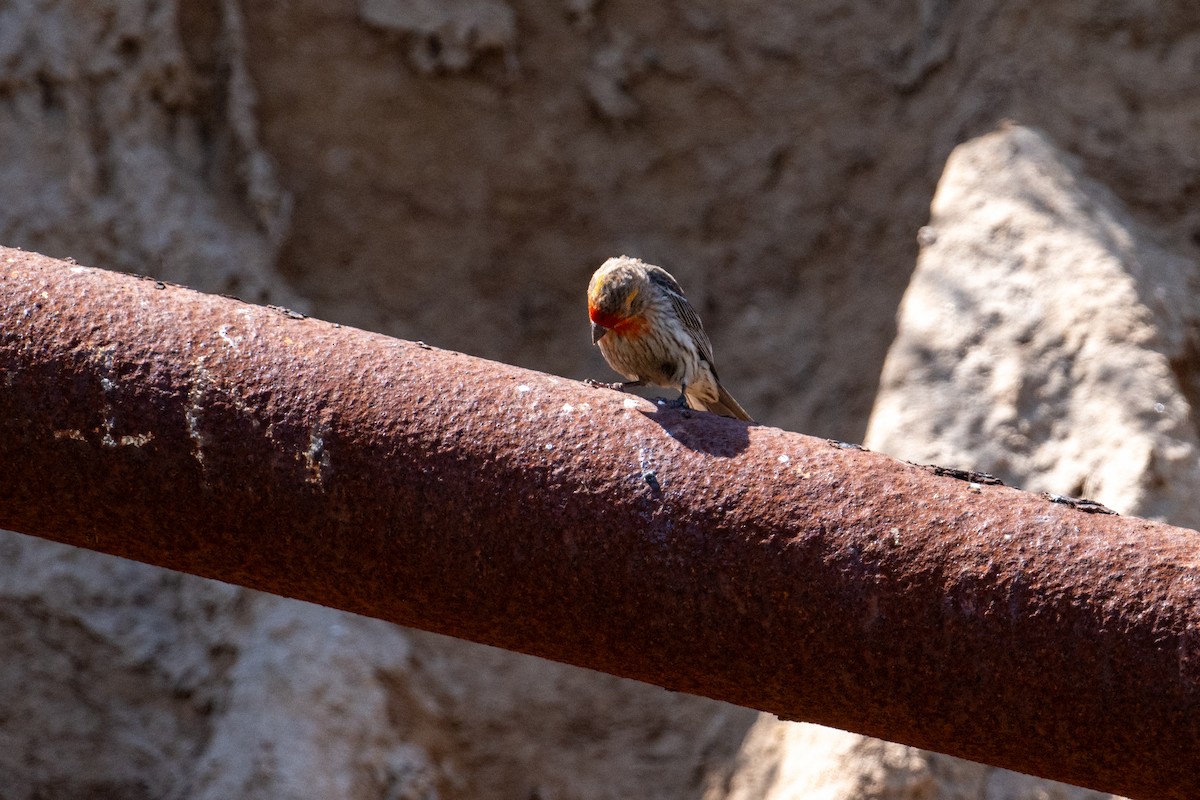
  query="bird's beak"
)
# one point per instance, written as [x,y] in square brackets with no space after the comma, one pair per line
[598,332]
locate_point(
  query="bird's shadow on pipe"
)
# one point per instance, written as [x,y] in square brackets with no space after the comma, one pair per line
[701,431]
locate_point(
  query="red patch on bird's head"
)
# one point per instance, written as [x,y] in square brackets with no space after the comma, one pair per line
[604,311]
[620,325]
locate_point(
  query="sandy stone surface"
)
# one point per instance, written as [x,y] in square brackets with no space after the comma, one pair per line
[1046,338]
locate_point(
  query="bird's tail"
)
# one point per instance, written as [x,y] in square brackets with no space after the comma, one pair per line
[726,406]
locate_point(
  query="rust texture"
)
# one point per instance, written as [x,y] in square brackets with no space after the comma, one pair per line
[766,568]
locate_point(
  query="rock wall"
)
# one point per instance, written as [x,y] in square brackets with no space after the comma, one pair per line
[127,143]
[1046,338]
[453,172]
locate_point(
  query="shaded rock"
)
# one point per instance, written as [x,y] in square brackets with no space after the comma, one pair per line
[445,35]
[128,145]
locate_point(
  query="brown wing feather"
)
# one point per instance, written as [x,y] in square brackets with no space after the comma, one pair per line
[728,407]
[725,404]
[683,309]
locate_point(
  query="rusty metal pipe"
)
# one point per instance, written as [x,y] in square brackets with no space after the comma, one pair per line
[530,512]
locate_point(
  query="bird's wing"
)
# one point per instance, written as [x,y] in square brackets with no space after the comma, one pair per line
[683,309]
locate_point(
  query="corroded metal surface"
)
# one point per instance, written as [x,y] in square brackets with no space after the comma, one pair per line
[766,568]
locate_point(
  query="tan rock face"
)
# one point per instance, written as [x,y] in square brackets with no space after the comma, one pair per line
[453,172]
[122,147]
[1044,338]
[788,761]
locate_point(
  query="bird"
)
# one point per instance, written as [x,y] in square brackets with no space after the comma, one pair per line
[649,333]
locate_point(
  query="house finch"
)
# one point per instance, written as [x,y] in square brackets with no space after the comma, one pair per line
[649,332]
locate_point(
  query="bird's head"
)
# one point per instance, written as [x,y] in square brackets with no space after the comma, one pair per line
[617,297]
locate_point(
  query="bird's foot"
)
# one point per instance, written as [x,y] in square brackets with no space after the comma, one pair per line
[679,403]
[616,386]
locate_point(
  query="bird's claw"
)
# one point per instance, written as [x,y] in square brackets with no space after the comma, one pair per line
[616,387]
[679,403]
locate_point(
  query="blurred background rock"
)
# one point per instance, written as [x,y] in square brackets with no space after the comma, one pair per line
[453,172]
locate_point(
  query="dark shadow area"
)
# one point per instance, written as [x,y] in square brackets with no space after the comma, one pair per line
[699,430]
